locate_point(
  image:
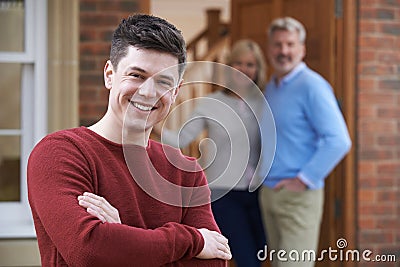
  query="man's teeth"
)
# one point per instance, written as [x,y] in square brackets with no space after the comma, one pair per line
[141,107]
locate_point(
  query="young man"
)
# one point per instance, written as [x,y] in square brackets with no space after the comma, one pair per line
[115,160]
[311,138]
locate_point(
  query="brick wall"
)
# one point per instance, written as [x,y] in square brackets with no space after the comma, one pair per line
[379,127]
[98,19]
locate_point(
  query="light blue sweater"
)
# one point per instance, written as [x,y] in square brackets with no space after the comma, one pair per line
[311,134]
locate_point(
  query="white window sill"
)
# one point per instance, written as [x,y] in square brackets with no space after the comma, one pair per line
[17,229]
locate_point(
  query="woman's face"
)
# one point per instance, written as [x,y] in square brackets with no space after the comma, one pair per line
[247,63]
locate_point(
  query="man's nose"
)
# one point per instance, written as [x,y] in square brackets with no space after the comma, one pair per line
[284,49]
[147,89]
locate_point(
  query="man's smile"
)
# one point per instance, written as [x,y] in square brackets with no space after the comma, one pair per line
[142,107]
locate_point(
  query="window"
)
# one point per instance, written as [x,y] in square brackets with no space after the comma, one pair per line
[23,106]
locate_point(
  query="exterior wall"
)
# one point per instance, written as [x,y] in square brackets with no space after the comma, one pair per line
[379,127]
[98,19]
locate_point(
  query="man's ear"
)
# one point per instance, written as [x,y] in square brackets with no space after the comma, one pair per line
[108,74]
[176,90]
[304,51]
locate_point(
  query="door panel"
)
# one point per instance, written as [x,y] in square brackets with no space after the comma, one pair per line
[250,18]
[248,22]
[320,25]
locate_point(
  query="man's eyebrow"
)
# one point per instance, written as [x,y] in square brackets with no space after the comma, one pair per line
[162,76]
[136,69]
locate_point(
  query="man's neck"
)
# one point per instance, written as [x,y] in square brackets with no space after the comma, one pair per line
[279,77]
[115,132]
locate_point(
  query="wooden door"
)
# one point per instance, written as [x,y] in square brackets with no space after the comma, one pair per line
[328,43]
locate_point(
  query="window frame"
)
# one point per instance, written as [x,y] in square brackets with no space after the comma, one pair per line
[16,220]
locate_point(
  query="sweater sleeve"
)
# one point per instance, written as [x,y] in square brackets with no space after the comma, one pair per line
[334,140]
[57,173]
[201,217]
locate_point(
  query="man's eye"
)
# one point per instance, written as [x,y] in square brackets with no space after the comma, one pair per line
[135,75]
[165,83]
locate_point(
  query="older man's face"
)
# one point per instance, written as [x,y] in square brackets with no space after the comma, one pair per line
[285,51]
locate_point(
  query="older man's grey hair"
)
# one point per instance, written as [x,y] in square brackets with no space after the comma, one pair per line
[288,24]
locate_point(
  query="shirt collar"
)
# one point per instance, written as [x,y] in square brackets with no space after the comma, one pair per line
[288,77]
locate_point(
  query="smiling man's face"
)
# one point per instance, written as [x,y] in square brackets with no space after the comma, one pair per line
[285,51]
[143,87]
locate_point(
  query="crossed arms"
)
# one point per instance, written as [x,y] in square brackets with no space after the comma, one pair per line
[69,235]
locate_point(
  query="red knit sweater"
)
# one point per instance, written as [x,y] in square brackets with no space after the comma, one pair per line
[67,163]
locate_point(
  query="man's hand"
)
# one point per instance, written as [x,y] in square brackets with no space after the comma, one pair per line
[291,184]
[99,207]
[215,246]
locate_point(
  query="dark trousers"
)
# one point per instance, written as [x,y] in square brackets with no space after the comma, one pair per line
[238,216]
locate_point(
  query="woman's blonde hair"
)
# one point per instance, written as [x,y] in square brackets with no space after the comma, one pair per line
[243,46]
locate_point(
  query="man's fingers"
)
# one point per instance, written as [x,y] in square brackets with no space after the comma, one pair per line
[280,185]
[221,238]
[224,251]
[223,247]
[96,214]
[94,210]
[97,201]
[100,207]
[224,255]
[215,245]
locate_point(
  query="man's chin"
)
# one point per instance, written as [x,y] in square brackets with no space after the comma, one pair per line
[136,127]
[284,69]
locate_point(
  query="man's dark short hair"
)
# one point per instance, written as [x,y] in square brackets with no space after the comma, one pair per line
[148,32]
